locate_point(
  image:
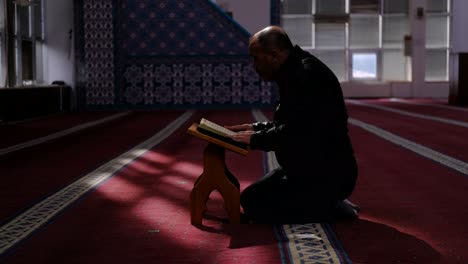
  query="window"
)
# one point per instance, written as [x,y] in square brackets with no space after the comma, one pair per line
[365,7]
[330,7]
[364,39]
[334,59]
[24,38]
[364,65]
[330,36]
[364,31]
[437,31]
[436,65]
[437,6]
[395,27]
[3,65]
[391,58]
[437,40]
[396,6]
[299,29]
[297,7]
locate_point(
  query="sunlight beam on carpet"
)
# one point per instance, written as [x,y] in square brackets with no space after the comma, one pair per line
[20,227]
[119,196]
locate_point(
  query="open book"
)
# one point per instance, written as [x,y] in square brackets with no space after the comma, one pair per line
[219,132]
[215,128]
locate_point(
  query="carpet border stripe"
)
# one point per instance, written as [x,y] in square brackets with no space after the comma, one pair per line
[336,242]
[22,226]
[37,141]
[449,107]
[429,153]
[278,230]
[406,113]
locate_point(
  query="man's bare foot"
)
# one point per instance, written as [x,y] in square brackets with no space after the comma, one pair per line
[344,211]
[356,207]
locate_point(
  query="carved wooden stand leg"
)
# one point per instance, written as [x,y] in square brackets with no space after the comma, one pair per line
[215,176]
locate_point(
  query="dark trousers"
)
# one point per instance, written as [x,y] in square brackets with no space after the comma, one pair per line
[276,199]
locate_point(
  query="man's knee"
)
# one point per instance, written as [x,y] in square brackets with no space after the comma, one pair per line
[252,200]
[245,198]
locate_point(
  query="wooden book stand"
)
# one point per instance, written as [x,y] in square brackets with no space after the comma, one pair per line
[215,176]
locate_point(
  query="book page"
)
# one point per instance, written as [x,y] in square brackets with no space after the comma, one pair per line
[215,128]
[208,133]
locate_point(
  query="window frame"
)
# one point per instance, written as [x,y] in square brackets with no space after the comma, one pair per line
[446,48]
[379,28]
[3,44]
[305,16]
[14,37]
[385,11]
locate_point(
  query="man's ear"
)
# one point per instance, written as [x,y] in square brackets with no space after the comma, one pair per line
[274,53]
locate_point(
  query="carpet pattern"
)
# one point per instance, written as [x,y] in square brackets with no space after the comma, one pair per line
[165,54]
[313,243]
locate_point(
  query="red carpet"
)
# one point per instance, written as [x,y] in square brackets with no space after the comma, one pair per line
[442,137]
[432,108]
[414,210]
[141,214]
[31,174]
[19,132]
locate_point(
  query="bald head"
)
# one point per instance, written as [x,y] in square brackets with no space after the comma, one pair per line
[270,47]
[272,37]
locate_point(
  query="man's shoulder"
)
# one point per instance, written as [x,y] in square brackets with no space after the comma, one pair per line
[309,62]
[315,68]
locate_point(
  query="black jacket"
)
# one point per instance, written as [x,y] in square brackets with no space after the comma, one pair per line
[309,133]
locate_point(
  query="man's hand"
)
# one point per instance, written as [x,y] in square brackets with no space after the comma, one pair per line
[243,127]
[243,136]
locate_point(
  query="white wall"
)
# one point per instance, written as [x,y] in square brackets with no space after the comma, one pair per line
[396,89]
[253,15]
[58,50]
[459,24]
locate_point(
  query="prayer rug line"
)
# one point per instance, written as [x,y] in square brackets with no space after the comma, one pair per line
[14,231]
[456,108]
[59,134]
[407,113]
[429,153]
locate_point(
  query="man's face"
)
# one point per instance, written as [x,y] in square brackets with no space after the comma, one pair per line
[264,62]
